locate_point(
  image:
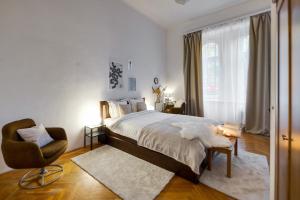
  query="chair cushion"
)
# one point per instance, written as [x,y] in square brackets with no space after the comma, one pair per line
[36,134]
[53,148]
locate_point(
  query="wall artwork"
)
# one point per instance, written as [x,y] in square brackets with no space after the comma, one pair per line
[131,84]
[115,75]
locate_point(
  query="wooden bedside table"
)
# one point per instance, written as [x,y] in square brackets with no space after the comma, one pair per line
[170,108]
[93,131]
[161,107]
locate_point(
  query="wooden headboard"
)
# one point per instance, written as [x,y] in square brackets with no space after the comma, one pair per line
[104,109]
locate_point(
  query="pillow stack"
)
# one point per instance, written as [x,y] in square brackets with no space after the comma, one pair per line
[126,106]
[114,108]
[141,106]
[124,109]
[134,104]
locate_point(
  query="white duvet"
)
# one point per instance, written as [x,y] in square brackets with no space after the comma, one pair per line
[190,127]
[181,137]
[132,124]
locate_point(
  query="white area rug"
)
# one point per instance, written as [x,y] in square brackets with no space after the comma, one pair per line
[250,176]
[126,175]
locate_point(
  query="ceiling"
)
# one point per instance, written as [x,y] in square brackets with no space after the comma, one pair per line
[168,13]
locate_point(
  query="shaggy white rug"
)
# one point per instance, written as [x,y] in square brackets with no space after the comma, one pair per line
[250,176]
[126,175]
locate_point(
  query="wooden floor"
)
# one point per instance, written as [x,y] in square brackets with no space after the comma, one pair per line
[77,184]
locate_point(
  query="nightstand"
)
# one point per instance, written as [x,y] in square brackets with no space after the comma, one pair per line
[163,105]
[94,131]
[170,108]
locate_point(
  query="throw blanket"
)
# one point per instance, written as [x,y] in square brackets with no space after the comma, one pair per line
[164,138]
[204,131]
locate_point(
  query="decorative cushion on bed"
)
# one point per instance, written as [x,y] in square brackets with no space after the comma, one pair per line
[36,134]
[133,103]
[124,109]
[114,110]
[125,100]
[141,106]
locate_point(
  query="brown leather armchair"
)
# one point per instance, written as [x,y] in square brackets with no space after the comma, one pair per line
[19,154]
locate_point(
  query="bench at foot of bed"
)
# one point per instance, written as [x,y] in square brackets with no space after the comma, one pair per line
[227,151]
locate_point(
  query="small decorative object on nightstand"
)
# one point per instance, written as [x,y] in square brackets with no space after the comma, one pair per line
[159,106]
[94,131]
[158,90]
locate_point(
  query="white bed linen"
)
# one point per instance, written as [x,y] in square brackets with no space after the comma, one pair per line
[162,133]
[110,121]
[131,125]
[206,132]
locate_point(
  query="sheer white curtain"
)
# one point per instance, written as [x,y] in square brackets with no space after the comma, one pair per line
[225,59]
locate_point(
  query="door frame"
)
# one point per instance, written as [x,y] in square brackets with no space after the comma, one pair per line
[274,100]
[278,6]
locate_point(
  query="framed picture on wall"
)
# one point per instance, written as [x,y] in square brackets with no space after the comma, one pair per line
[131,84]
[115,75]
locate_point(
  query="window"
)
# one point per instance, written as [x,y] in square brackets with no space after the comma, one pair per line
[211,71]
[225,58]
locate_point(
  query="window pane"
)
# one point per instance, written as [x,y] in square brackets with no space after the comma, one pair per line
[225,57]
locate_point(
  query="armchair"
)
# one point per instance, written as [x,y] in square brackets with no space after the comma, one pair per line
[19,154]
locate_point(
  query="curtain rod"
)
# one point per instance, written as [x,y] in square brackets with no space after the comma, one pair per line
[227,21]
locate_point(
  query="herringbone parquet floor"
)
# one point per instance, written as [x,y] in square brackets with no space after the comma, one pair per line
[76,184]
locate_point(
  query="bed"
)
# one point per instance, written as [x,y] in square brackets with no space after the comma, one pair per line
[124,141]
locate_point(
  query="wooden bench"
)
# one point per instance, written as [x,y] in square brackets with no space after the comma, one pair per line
[227,151]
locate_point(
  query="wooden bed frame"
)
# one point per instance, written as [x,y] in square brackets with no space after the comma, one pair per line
[130,146]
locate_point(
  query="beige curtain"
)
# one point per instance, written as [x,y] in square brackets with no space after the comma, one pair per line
[258,92]
[193,74]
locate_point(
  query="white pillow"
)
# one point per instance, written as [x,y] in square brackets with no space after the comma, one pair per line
[124,109]
[125,99]
[114,108]
[36,134]
[141,106]
[133,103]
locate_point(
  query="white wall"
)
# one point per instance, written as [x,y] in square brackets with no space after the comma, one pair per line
[175,34]
[54,57]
